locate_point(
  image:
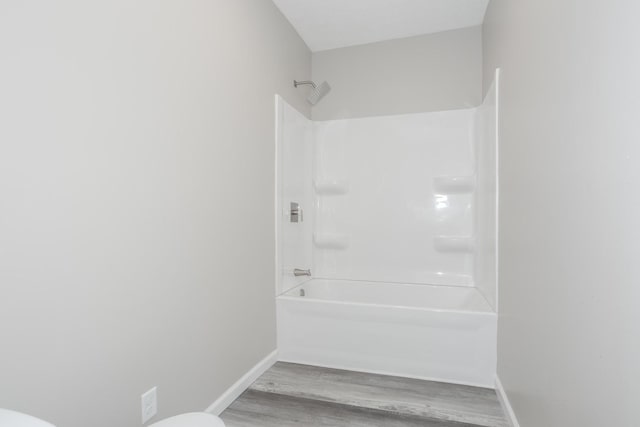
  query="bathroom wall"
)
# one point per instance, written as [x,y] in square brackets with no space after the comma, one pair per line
[569,206]
[386,209]
[137,186]
[435,72]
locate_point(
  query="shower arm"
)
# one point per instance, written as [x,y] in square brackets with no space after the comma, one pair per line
[304,82]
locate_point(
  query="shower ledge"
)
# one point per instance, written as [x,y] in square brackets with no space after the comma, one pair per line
[454,184]
[454,244]
[330,240]
[331,188]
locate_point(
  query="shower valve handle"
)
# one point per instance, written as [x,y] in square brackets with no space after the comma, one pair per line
[298,272]
[296,212]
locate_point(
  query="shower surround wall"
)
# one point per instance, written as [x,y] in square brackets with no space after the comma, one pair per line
[294,175]
[402,259]
[385,209]
[486,195]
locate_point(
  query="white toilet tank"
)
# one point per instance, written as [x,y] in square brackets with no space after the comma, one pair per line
[16,419]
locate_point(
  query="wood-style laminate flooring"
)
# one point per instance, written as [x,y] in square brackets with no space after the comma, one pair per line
[289,394]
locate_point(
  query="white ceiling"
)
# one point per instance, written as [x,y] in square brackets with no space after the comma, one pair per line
[329,24]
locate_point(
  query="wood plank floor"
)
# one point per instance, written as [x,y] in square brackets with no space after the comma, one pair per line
[299,395]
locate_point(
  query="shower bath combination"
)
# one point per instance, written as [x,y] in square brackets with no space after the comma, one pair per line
[319,91]
[393,268]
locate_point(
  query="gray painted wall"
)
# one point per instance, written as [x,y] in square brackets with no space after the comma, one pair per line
[570,208]
[435,72]
[137,186]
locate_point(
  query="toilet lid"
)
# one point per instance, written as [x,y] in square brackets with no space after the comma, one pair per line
[16,419]
[196,419]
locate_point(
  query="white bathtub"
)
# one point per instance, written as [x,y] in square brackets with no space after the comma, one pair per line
[438,333]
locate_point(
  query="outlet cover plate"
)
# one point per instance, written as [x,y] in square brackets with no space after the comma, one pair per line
[149,404]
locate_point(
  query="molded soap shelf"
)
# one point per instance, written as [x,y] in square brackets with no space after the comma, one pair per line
[331,188]
[461,244]
[330,240]
[454,184]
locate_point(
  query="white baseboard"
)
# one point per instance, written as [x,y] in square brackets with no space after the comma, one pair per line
[506,405]
[242,384]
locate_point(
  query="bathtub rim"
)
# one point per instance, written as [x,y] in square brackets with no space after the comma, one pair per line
[307,300]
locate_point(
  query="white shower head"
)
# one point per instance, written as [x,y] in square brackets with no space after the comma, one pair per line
[317,93]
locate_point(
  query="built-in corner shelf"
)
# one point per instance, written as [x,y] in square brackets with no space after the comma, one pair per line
[330,240]
[331,187]
[454,184]
[457,244]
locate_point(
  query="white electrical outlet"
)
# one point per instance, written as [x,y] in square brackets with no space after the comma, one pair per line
[149,404]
